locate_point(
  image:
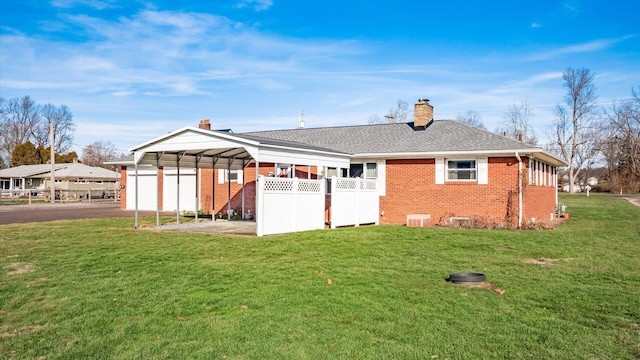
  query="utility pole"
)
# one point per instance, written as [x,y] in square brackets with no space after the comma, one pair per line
[53,165]
[300,119]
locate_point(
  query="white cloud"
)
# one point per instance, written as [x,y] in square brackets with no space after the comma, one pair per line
[258,5]
[96,4]
[163,53]
[591,46]
[536,25]
[572,7]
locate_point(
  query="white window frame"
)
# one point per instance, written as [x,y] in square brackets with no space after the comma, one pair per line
[223,176]
[473,170]
[365,167]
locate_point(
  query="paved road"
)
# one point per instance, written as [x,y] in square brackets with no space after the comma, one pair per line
[12,214]
[632,198]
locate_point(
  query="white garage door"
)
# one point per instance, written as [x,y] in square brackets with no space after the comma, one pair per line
[148,185]
[187,189]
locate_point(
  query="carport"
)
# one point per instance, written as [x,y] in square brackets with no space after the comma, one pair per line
[198,148]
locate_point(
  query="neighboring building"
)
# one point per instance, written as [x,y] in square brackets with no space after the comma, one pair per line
[72,180]
[442,168]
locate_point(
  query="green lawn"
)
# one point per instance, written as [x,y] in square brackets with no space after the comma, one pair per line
[100,289]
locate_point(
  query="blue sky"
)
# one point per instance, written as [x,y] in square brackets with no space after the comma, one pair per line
[134,70]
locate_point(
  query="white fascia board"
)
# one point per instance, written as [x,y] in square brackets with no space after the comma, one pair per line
[122,163]
[487,153]
[338,154]
[206,133]
[549,158]
[297,157]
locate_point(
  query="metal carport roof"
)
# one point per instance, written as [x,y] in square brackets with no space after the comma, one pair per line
[192,147]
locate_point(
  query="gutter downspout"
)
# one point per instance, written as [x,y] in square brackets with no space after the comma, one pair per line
[519,190]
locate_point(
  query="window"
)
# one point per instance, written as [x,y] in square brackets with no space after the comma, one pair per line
[230,176]
[372,171]
[461,170]
[364,170]
[355,170]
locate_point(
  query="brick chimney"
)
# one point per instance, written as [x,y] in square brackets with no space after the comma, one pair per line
[205,124]
[422,113]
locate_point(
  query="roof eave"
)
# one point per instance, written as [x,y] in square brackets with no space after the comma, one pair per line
[535,152]
[211,133]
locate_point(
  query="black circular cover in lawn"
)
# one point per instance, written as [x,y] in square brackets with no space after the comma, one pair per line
[466,277]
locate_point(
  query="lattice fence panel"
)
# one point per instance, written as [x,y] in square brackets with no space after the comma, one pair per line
[345,184]
[309,186]
[278,185]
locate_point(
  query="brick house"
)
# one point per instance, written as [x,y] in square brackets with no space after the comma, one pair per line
[442,168]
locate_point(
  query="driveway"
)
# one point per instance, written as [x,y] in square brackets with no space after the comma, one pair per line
[632,198]
[12,214]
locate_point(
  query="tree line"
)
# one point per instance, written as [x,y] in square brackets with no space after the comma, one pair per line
[25,135]
[583,133]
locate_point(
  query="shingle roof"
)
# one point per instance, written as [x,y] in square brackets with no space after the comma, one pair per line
[27,170]
[439,136]
[66,170]
[275,141]
[75,171]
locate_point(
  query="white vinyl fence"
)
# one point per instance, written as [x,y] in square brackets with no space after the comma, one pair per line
[289,205]
[354,201]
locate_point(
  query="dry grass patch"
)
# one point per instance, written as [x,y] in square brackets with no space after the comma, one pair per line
[543,261]
[20,268]
[7,331]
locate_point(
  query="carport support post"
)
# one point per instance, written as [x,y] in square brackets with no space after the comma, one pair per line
[178,187]
[255,202]
[157,190]
[213,188]
[243,167]
[229,190]
[197,190]
[136,197]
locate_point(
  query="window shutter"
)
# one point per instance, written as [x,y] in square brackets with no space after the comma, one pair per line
[382,178]
[439,171]
[483,171]
[221,176]
[240,175]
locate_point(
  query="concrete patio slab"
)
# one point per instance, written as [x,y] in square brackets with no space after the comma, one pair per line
[212,227]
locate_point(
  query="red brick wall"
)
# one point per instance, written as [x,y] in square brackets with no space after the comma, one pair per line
[539,200]
[123,185]
[210,190]
[411,189]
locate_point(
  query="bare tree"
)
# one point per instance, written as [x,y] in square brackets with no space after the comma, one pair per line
[622,146]
[516,123]
[473,118]
[97,153]
[397,114]
[19,117]
[63,127]
[21,120]
[574,127]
